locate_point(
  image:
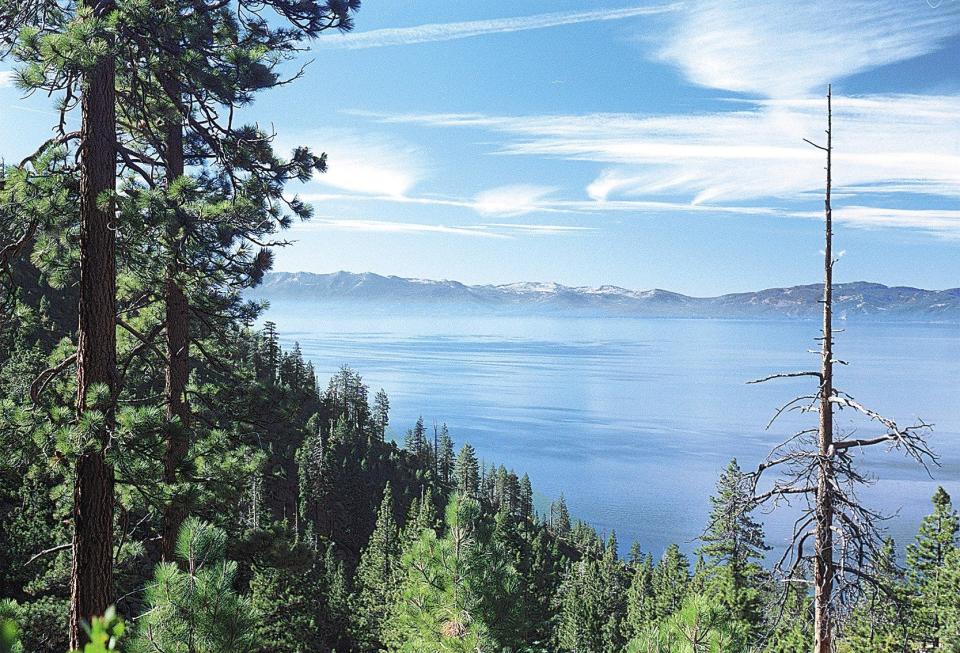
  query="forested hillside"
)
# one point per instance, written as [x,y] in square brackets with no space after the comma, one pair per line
[173,481]
[309,531]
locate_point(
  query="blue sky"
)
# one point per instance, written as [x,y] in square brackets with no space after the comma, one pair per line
[643,145]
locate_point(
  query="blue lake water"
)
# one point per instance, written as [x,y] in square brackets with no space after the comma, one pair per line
[632,419]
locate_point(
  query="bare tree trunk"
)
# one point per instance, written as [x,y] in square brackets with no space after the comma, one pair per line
[846,532]
[177,327]
[91,574]
[823,565]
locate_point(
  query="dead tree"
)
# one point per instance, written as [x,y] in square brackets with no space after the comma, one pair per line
[816,467]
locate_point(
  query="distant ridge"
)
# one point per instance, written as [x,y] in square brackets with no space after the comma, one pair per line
[856,300]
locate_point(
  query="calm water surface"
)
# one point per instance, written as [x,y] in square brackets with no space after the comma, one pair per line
[632,419]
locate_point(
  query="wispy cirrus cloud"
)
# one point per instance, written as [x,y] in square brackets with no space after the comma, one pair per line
[488,230]
[765,47]
[550,205]
[525,228]
[883,144]
[940,222]
[507,201]
[433,32]
[395,227]
[750,158]
[6,78]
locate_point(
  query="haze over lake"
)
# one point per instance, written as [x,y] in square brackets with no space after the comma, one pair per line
[633,418]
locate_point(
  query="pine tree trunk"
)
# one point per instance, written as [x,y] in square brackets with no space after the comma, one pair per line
[824,565]
[91,574]
[177,328]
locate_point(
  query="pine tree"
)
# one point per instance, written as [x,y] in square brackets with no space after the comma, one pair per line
[376,576]
[733,537]
[583,610]
[735,544]
[196,609]
[615,587]
[272,350]
[592,600]
[71,50]
[293,610]
[452,588]
[950,587]
[420,517]
[525,499]
[446,459]
[793,631]
[560,517]
[381,414]
[879,621]
[468,471]
[698,626]
[416,440]
[641,602]
[671,578]
[926,560]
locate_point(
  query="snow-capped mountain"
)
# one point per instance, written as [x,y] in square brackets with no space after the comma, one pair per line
[851,300]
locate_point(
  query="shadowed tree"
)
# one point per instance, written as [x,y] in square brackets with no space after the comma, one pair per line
[176,72]
[78,59]
[219,185]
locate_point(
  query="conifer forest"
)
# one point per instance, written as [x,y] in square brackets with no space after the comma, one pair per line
[176,475]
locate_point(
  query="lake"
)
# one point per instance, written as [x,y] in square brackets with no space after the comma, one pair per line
[632,419]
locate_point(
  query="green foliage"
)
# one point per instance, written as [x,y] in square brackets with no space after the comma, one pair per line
[734,543]
[104,633]
[671,577]
[641,602]
[195,609]
[300,609]
[879,620]
[468,472]
[9,633]
[453,588]
[591,604]
[700,626]
[560,517]
[927,570]
[793,621]
[376,579]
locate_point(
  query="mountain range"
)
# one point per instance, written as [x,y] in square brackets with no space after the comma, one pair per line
[851,300]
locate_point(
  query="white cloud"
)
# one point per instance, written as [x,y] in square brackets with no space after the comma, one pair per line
[6,78]
[512,200]
[539,228]
[504,200]
[490,230]
[578,206]
[388,226]
[940,222]
[450,31]
[368,163]
[398,199]
[890,144]
[778,50]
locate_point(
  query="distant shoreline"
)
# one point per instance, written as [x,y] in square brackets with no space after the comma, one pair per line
[856,301]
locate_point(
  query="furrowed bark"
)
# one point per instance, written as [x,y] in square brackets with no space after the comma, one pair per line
[177,327]
[823,563]
[91,576]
